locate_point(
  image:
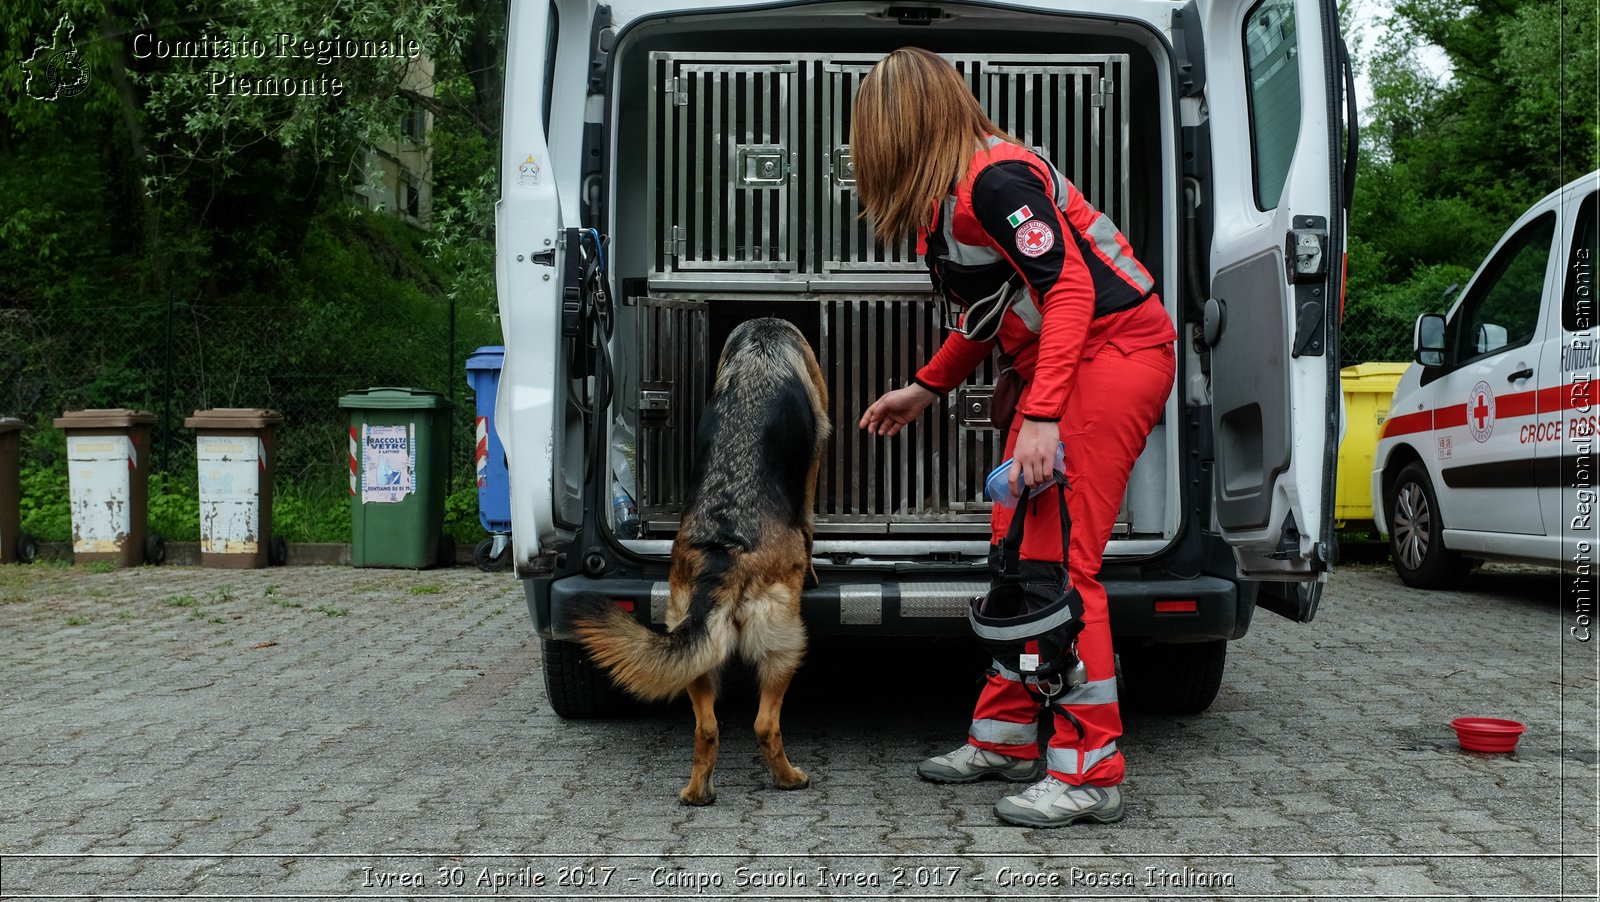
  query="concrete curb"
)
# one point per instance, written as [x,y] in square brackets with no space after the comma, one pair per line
[301,554]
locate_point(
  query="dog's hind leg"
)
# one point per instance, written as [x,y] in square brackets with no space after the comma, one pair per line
[773,685]
[785,646]
[703,696]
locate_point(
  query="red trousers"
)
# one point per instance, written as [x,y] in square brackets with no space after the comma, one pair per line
[1117,401]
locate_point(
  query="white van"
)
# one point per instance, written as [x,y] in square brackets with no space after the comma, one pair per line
[671,168]
[1488,450]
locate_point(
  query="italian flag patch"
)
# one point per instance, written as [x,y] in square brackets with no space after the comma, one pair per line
[1022,215]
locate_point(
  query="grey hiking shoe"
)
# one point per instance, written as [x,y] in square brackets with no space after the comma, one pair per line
[969,764]
[1052,803]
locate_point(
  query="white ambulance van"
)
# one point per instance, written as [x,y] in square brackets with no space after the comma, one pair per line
[1488,450]
[672,168]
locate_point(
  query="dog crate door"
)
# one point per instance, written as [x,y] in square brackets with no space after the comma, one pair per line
[674,382]
[725,163]
[1074,112]
[846,239]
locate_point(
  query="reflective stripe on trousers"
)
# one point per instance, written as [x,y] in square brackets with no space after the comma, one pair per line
[1117,400]
[1065,761]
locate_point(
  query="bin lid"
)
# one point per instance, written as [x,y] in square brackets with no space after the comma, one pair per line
[389,397]
[1375,368]
[1377,375]
[234,418]
[9,424]
[104,418]
[488,357]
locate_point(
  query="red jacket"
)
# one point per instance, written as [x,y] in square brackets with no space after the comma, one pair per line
[1015,215]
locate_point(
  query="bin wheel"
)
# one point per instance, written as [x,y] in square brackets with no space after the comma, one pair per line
[27,549]
[487,560]
[155,549]
[278,552]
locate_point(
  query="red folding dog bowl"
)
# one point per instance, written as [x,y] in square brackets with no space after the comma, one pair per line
[1487,734]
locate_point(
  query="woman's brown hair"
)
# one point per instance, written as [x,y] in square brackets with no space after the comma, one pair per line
[913,128]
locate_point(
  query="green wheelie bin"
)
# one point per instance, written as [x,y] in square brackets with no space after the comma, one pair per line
[399,453]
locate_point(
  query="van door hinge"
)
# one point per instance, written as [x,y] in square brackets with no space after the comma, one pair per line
[673,244]
[1107,89]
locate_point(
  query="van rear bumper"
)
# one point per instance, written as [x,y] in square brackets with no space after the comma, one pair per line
[924,607]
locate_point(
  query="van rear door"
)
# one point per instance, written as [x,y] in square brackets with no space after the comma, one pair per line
[540,146]
[1274,93]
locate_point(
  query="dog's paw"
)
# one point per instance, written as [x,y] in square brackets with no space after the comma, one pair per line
[701,795]
[797,780]
[697,799]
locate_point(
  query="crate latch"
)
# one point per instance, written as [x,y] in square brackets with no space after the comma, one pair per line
[763,166]
[974,402]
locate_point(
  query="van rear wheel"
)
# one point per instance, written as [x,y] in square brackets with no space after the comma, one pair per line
[579,690]
[1179,678]
[1416,533]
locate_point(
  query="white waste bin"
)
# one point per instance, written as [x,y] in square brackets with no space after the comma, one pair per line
[234,450]
[108,461]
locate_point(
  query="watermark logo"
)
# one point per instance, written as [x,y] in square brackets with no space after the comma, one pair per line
[56,71]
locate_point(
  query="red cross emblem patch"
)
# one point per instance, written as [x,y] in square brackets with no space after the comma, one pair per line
[1480,412]
[1034,238]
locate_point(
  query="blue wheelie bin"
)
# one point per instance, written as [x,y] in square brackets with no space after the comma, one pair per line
[494,482]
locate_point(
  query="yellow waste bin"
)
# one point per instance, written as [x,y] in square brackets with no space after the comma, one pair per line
[1368,388]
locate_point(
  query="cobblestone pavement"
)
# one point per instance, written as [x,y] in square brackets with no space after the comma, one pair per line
[324,732]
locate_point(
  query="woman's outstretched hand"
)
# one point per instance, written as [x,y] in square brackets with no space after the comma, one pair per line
[890,413]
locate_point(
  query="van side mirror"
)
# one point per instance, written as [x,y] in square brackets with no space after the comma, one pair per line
[1427,340]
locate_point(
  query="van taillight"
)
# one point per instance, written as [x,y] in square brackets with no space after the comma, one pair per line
[1186,606]
[624,603]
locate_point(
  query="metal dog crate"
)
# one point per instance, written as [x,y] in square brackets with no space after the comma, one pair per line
[752,167]
[753,183]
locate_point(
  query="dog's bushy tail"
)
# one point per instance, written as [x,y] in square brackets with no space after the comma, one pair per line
[653,666]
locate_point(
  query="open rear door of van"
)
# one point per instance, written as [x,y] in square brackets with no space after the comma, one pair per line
[1274,92]
[539,425]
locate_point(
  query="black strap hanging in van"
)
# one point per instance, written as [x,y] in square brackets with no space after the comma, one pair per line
[587,320]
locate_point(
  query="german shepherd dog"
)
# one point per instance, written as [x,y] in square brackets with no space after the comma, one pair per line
[743,551]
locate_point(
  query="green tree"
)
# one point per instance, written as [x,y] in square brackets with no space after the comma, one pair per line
[1448,162]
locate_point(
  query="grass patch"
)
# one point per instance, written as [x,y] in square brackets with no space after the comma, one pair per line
[426,589]
[330,610]
[180,601]
[76,620]
[100,567]
[285,603]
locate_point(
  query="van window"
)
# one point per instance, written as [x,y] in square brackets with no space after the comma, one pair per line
[1273,73]
[1502,310]
[550,63]
[1577,306]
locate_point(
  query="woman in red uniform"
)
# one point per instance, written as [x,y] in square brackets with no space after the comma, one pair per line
[1050,283]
